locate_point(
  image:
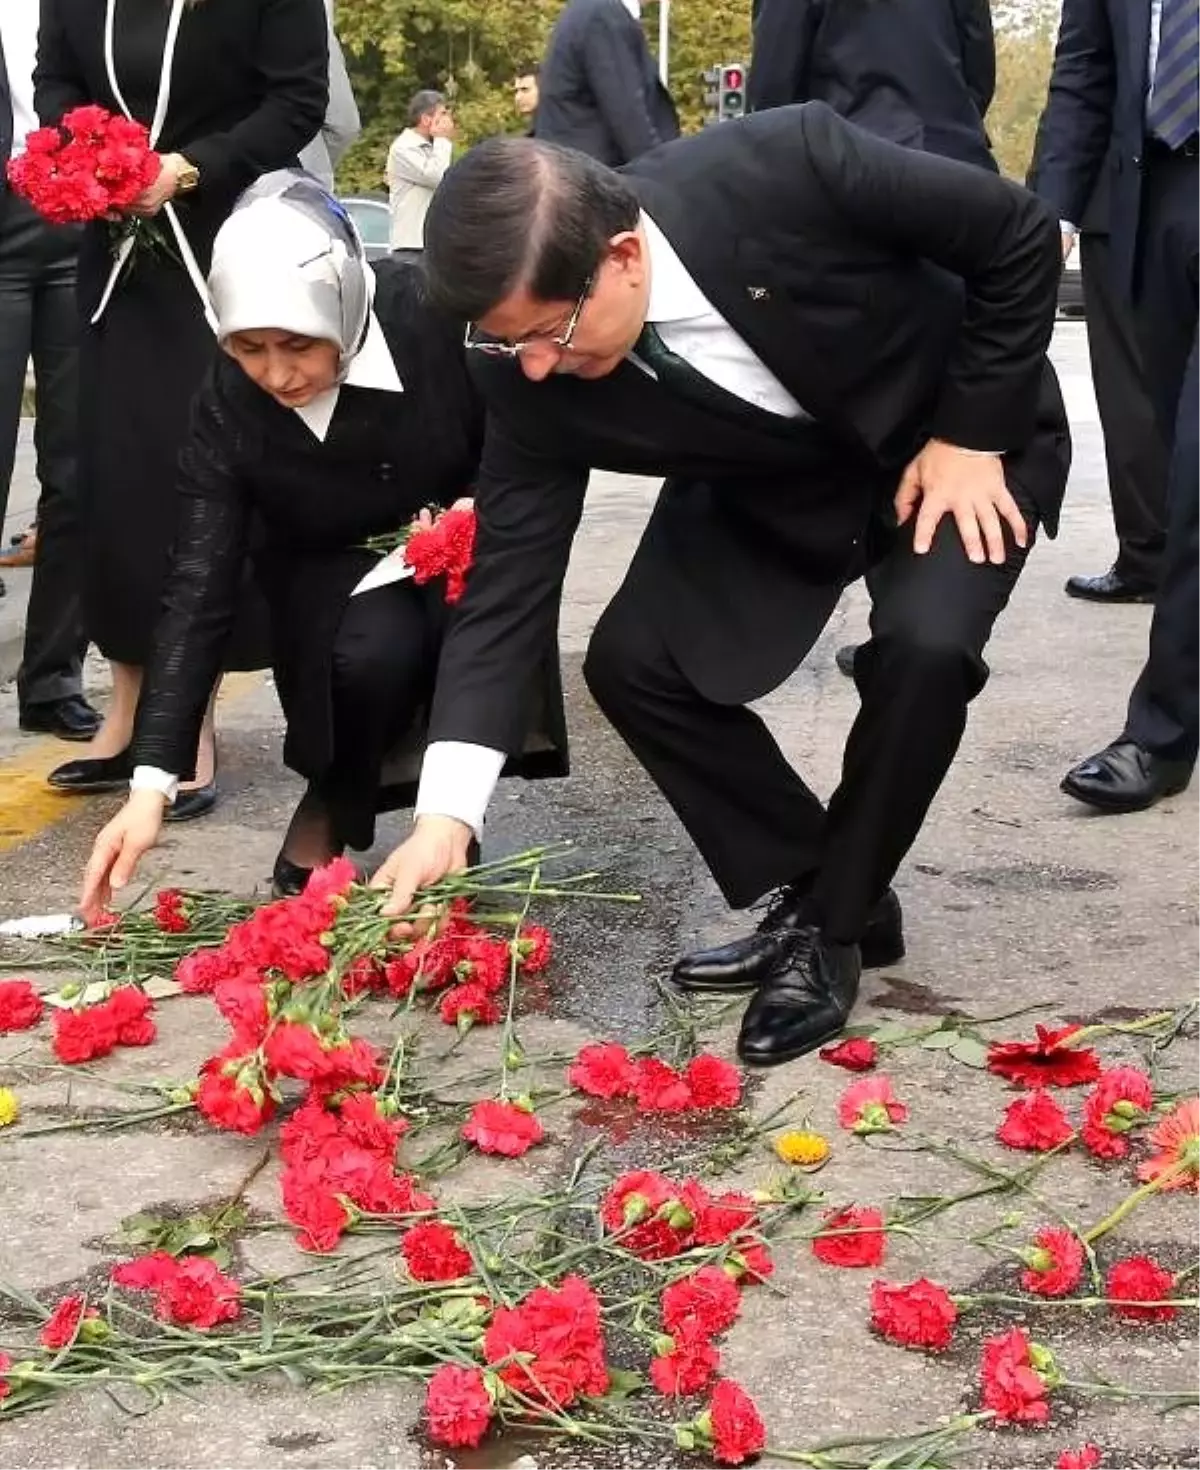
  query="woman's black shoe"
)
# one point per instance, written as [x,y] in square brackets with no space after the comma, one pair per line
[189,805]
[87,777]
[288,878]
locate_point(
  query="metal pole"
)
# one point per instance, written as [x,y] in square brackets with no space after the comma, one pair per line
[664,41]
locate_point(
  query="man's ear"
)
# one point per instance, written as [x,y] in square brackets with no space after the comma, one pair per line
[628,249]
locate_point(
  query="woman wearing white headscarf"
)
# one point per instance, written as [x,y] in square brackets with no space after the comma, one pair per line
[340,407]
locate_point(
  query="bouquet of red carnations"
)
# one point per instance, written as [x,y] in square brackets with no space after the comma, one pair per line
[443,548]
[93,164]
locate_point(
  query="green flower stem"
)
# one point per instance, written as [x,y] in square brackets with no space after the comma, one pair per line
[1172,1398]
[1084,1303]
[1132,1201]
[1119,1028]
[108,1122]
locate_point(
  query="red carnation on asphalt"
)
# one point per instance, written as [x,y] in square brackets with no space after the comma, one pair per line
[1035,1122]
[687,1368]
[129,1014]
[191,1292]
[660,1089]
[83,1035]
[468,1005]
[738,1431]
[701,1305]
[859,1054]
[1012,1388]
[870,1106]
[919,1315]
[649,1213]
[863,1243]
[457,1406]
[502,1128]
[65,1321]
[169,914]
[1119,1101]
[20,1005]
[1139,1279]
[1055,1263]
[1050,1061]
[534,948]
[713,1082]
[551,1344]
[1086,1457]
[6,1363]
[604,1069]
[433,1252]
[1177,1138]
[233,1093]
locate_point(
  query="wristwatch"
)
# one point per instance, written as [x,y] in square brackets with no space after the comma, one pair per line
[187,178]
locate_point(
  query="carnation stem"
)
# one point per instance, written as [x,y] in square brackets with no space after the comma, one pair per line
[1131,1203]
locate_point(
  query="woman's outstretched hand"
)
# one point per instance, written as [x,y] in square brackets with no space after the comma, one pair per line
[118,850]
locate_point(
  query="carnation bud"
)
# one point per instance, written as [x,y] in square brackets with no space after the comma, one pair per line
[182,1095]
[1044,1365]
[1119,1122]
[677,1215]
[1038,1259]
[93,1329]
[1126,1109]
[464,1021]
[773,1194]
[664,1345]
[388,1106]
[873,1119]
[326,939]
[70,990]
[635,1209]
[734,1267]
[524,1102]
[514,1057]
[494,1263]
[1012,1220]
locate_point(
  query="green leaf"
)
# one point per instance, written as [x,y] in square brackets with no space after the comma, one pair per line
[685,1437]
[889,1031]
[622,1382]
[970,1052]
[941,1040]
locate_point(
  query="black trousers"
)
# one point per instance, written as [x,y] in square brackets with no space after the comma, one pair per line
[1134,450]
[754,821]
[384,666]
[1164,708]
[39,320]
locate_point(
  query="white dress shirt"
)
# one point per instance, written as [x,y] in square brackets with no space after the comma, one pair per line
[19,33]
[457,778]
[372,367]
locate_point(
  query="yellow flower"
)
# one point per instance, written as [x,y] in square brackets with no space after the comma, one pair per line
[806,1149]
[10,1108]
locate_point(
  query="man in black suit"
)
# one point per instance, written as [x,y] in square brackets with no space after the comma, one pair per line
[39,320]
[847,372]
[921,72]
[598,87]
[1123,99]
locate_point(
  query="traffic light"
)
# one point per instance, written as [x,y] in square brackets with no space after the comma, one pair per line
[724,91]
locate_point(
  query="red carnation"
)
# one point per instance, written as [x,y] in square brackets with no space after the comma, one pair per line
[129,1015]
[145,1273]
[870,1106]
[199,972]
[1055,1263]
[603,1069]
[468,1005]
[1139,1279]
[242,1000]
[534,948]
[443,549]
[687,1368]
[859,1054]
[294,1049]
[458,1406]
[701,1305]
[199,1295]
[502,1128]
[660,1089]
[233,1093]
[1012,1388]
[1119,1101]
[20,1005]
[1050,1061]
[65,1321]
[713,1082]
[169,913]
[650,1215]
[6,1363]
[1035,1122]
[551,1344]
[433,1252]
[719,1219]
[919,1315]
[737,1429]
[83,1035]
[1086,1457]
[862,1244]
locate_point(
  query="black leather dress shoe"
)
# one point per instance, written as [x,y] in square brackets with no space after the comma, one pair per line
[1109,586]
[189,805]
[1125,777]
[844,658]
[88,777]
[71,718]
[745,963]
[803,1003]
[288,878]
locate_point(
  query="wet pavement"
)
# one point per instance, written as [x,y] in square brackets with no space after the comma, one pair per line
[1014,897]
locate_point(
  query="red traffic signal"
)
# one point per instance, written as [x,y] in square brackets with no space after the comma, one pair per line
[733,78]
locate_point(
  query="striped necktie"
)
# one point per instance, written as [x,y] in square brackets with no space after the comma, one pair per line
[1174,112]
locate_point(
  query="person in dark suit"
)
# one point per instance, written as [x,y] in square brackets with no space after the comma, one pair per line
[39,322]
[920,72]
[1123,102]
[846,373]
[598,87]
[340,407]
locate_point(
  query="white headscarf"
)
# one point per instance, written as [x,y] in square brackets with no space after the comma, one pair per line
[290,258]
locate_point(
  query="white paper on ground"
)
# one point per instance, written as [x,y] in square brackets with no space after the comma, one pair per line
[41,926]
[391,568]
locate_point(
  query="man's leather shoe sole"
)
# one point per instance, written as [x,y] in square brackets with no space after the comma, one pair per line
[91,777]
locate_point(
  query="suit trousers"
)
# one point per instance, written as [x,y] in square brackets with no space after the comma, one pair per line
[1133,444]
[39,321]
[1164,708]
[753,819]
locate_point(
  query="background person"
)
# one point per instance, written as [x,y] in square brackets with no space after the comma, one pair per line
[525,96]
[416,162]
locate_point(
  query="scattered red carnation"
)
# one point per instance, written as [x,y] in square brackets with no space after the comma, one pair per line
[738,1432]
[870,1106]
[1086,1457]
[603,1069]
[1140,1279]
[660,1089]
[1050,1061]
[1034,1122]
[502,1128]
[919,1315]
[1055,1264]
[457,1406]
[64,1322]
[534,948]
[170,913]
[1119,1101]
[859,1054]
[191,1292]
[713,1082]
[93,1031]
[433,1252]
[469,1005]
[20,1005]
[1177,1139]
[864,1247]
[1012,1388]
[701,1305]
[687,1368]
[555,1339]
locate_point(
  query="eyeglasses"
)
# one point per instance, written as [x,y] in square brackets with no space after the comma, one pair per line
[495,347]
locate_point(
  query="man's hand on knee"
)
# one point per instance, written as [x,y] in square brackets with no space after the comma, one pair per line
[967,484]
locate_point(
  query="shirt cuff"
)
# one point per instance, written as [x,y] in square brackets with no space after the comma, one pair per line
[1065,227]
[457,780]
[150,778]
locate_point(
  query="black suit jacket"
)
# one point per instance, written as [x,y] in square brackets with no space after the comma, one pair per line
[920,72]
[895,294]
[598,86]
[6,121]
[1094,122]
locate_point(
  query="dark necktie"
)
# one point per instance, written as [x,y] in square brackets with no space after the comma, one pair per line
[1173,115]
[678,376]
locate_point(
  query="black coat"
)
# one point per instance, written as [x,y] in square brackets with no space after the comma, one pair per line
[920,72]
[598,86]
[253,470]
[1094,123]
[895,294]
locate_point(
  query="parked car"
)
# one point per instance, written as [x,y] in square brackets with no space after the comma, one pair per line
[1070,287]
[370,215]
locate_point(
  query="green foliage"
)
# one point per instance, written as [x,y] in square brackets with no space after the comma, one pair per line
[1023,62]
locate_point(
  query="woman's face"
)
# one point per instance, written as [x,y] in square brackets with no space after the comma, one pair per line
[293,369]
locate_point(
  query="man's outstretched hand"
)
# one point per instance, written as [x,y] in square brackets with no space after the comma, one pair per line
[438,846]
[945,480]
